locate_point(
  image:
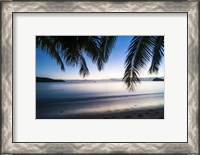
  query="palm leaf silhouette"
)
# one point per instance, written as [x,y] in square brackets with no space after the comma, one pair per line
[158,53]
[70,50]
[139,53]
[49,45]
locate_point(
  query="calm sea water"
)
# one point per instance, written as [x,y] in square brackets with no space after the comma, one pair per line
[57,99]
[60,91]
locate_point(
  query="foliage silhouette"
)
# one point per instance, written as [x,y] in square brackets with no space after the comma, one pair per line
[142,49]
[70,49]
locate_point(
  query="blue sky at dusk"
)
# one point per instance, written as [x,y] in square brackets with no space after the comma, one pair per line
[114,68]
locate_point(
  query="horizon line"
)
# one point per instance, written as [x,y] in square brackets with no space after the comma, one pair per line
[98,79]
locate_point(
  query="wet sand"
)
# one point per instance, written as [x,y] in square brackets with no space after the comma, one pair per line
[100,100]
[152,113]
[127,107]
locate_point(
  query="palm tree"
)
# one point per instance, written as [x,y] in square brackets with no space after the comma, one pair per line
[70,49]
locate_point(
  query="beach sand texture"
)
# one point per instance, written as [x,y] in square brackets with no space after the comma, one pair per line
[149,106]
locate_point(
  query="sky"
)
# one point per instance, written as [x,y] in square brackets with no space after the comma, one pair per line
[114,68]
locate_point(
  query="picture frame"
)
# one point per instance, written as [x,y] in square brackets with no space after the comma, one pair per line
[9,8]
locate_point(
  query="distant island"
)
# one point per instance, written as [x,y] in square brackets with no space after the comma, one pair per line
[142,79]
[158,79]
[45,79]
[42,79]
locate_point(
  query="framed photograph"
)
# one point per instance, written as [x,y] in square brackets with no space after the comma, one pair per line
[99,77]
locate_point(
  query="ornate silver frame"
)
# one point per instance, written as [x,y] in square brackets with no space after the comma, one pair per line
[9,7]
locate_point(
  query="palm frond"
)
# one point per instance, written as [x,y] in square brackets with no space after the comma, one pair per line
[158,53]
[49,45]
[131,77]
[138,55]
[92,48]
[70,47]
[106,45]
[84,71]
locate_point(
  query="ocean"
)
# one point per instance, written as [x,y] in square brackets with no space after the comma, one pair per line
[84,96]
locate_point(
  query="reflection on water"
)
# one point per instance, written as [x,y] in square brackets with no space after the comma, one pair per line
[63,91]
[80,98]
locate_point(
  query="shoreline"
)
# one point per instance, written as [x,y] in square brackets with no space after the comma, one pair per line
[150,113]
[149,106]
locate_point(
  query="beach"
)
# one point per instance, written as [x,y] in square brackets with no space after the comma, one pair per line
[152,113]
[148,106]
[99,100]
[106,77]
